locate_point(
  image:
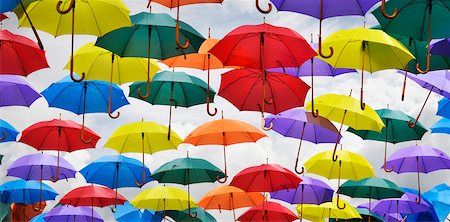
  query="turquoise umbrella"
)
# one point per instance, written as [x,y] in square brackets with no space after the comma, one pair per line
[7,132]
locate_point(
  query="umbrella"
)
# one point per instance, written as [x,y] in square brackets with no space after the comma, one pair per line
[346,110]
[418,26]
[163,199]
[3,17]
[436,81]
[150,136]
[115,171]
[92,61]
[22,55]
[26,192]
[38,218]
[365,214]
[202,60]
[286,91]
[23,212]
[60,135]
[7,132]
[179,88]
[429,215]
[441,47]
[353,45]
[156,32]
[328,210]
[15,91]
[84,97]
[406,204]
[444,108]
[93,18]
[224,132]
[441,126]
[350,166]
[291,122]
[439,196]
[268,211]
[71,213]
[230,198]
[396,130]
[420,159]
[265,178]
[200,213]
[127,213]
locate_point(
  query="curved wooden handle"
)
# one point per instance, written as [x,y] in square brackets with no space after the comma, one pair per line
[208,107]
[3,137]
[428,65]
[147,88]
[65,11]
[263,127]
[383,11]
[269,9]
[177,37]
[72,76]
[82,136]
[321,52]
[109,108]
[335,157]
[337,204]
[314,112]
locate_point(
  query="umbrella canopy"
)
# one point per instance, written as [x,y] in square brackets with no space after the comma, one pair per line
[22,212]
[441,47]
[406,204]
[442,126]
[268,211]
[15,91]
[3,17]
[328,210]
[201,215]
[429,215]
[38,218]
[8,5]
[71,213]
[439,196]
[309,191]
[265,178]
[26,192]
[22,55]
[127,213]
[92,195]
[7,132]
[444,108]
[365,214]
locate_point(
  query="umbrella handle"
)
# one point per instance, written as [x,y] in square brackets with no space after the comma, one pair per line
[428,47]
[147,88]
[3,137]
[418,181]
[298,152]
[193,215]
[412,125]
[314,112]
[177,30]
[110,114]
[263,127]
[65,11]
[337,203]
[383,11]
[404,83]
[82,136]
[321,52]
[39,208]
[208,109]
[262,10]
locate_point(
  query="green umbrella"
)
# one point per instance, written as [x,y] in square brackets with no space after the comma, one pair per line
[179,88]
[396,130]
[183,216]
[372,188]
[152,36]
[187,171]
[420,19]
[365,216]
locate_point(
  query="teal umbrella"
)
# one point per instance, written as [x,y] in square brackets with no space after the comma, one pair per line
[183,216]
[174,88]
[152,36]
[396,130]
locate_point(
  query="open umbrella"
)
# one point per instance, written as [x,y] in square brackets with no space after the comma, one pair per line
[24,212]
[38,218]
[406,204]
[15,91]
[268,211]
[70,213]
[441,47]
[429,215]
[224,132]
[26,192]
[127,213]
[444,108]
[93,18]
[185,215]
[297,123]
[365,214]
[439,196]
[441,126]
[328,210]
[7,132]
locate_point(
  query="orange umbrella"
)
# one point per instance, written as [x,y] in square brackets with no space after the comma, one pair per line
[230,198]
[22,212]
[224,132]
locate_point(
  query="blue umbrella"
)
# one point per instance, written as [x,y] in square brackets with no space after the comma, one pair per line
[25,192]
[8,5]
[442,126]
[444,108]
[7,132]
[430,215]
[439,196]
[127,212]
[38,218]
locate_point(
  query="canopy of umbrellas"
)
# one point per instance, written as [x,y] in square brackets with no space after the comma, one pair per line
[266,62]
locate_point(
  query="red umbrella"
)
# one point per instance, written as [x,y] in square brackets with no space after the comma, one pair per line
[60,135]
[265,178]
[268,211]
[21,54]
[244,88]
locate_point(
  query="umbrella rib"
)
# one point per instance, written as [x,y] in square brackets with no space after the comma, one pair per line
[247,35]
[17,53]
[103,96]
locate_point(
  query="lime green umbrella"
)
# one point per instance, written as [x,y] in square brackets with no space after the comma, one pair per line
[396,130]
[174,88]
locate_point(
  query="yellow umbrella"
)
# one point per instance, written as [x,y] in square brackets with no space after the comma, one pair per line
[150,136]
[350,166]
[162,199]
[93,17]
[93,61]
[353,45]
[327,210]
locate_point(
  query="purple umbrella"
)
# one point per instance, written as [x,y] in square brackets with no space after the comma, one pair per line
[420,159]
[297,123]
[15,91]
[436,81]
[406,205]
[441,47]
[71,213]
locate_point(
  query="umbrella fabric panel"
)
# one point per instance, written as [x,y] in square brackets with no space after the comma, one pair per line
[30,167]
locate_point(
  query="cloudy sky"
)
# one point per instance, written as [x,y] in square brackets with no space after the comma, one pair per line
[381,89]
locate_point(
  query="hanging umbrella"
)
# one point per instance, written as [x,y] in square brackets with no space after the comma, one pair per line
[296,123]
[224,132]
[406,204]
[22,55]
[396,130]
[187,171]
[350,166]
[7,132]
[365,215]
[429,215]
[328,210]
[60,135]
[15,91]
[444,108]
[268,211]
[71,213]
[286,91]
[150,136]
[176,88]
[127,213]
[200,213]
[441,47]
[230,198]
[427,14]
[26,192]
[346,110]
[354,45]
[85,97]
[163,199]
[92,60]
[436,81]
[439,196]
[93,18]
[38,218]
[265,178]
[420,159]
[115,171]
[154,31]
[442,126]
